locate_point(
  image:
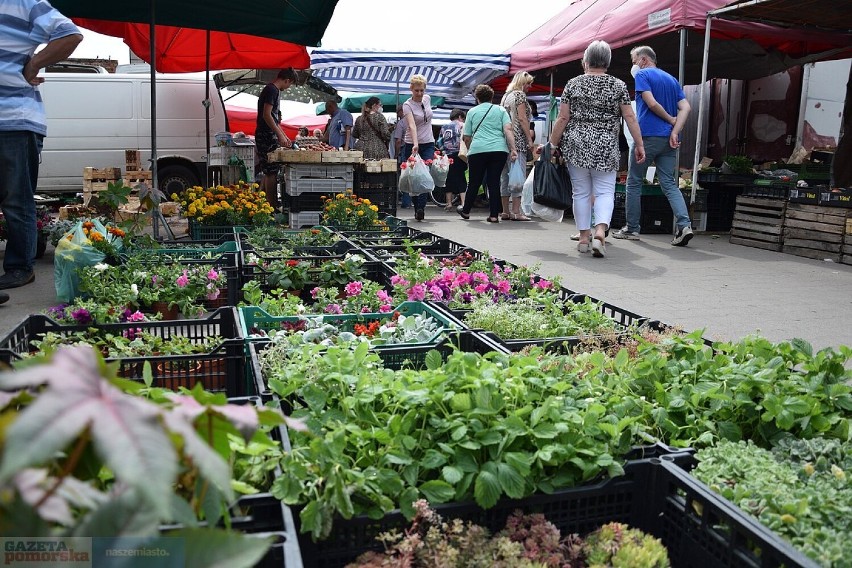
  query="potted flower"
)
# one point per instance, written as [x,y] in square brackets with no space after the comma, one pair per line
[288,274]
[223,206]
[358,297]
[338,274]
[170,289]
[350,211]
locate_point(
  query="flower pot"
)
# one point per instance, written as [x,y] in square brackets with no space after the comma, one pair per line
[41,245]
[173,375]
[219,302]
[168,313]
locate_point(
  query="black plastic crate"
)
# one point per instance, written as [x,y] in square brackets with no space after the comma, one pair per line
[656,216]
[775,190]
[384,198]
[367,181]
[721,204]
[653,496]
[221,370]
[373,270]
[809,195]
[700,198]
[835,196]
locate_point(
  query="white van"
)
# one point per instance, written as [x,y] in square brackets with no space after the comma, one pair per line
[92,118]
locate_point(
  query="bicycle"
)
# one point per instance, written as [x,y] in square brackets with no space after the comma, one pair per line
[439,198]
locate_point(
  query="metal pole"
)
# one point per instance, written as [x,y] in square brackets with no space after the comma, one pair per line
[699,132]
[206,104]
[681,74]
[155,225]
[549,123]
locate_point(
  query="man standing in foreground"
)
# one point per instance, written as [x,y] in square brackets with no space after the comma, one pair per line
[662,108]
[339,129]
[24,25]
[268,134]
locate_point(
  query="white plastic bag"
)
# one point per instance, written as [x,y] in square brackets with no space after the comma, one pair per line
[547,213]
[527,195]
[517,175]
[439,169]
[405,177]
[421,179]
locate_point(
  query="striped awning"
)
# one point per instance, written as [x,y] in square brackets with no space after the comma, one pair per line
[450,75]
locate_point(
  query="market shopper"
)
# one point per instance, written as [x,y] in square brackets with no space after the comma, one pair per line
[520,112]
[372,131]
[662,109]
[24,25]
[338,131]
[586,131]
[451,134]
[418,137]
[395,149]
[268,134]
[490,140]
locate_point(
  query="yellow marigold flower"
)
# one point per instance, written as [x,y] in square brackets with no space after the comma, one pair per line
[360,213]
[365,201]
[374,208]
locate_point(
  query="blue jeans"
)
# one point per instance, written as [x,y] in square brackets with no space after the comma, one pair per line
[427,152]
[657,150]
[19,154]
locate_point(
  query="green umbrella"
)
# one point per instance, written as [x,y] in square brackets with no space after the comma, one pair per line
[355,103]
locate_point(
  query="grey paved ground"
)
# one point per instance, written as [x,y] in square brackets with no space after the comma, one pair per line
[728,290]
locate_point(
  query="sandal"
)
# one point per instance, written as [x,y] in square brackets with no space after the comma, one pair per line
[448,208]
[505,216]
[520,217]
[583,247]
[493,220]
[598,248]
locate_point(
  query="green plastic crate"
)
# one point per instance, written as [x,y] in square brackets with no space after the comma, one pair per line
[647,189]
[200,232]
[256,318]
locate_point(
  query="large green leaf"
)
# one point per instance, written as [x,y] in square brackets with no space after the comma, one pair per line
[486,489]
[510,480]
[437,491]
[125,430]
[216,548]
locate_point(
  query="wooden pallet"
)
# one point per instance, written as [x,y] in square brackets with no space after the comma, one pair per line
[758,223]
[101,174]
[132,160]
[134,177]
[847,246]
[813,231]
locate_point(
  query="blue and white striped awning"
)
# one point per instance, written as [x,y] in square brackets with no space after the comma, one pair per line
[450,75]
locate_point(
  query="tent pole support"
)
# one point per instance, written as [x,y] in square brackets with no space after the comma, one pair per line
[206,104]
[699,130]
[681,74]
[155,219]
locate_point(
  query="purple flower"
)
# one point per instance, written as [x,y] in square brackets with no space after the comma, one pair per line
[315,292]
[385,308]
[57,311]
[398,280]
[82,315]
[333,309]
[383,296]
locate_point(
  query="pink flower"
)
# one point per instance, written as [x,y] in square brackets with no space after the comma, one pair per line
[385,308]
[503,286]
[417,293]
[496,269]
[365,310]
[333,309]
[182,280]
[315,292]
[543,284]
[481,288]
[213,275]
[437,293]
[136,316]
[353,288]
[214,294]
[479,277]
[398,280]
[155,279]
[383,297]
[463,278]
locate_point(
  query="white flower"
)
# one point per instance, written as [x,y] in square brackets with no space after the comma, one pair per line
[101,266]
[135,289]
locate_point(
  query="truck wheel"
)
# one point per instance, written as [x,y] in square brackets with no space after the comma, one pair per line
[174,179]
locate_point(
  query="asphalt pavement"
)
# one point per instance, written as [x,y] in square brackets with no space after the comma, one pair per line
[727,290]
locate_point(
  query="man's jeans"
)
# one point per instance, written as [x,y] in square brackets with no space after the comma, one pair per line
[19,152]
[658,151]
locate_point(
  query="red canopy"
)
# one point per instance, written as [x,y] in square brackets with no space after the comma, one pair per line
[740,50]
[183,50]
[241,119]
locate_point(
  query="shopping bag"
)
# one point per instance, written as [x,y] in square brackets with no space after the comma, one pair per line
[405,177]
[73,252]
[439,168]
[517,175]
[463,149]
[551,184]
[527,194]
[546,213]
[421,179]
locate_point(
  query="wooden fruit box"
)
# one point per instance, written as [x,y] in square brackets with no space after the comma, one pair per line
[847,247]
[758,223]
[389,165]
[133,159]
[343,157]
[295,156]
[90,173]
[814,231]
[373,166]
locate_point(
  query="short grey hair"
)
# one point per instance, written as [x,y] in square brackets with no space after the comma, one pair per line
[644,51]
[598,55]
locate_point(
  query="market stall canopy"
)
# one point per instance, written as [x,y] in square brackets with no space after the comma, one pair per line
[355,103]
[741,50]
[307,89]
[296,21]
[449,75]
[818,15]
[184,50]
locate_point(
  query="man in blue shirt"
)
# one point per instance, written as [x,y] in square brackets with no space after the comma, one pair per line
[339,128]
[662,108]
[24,25]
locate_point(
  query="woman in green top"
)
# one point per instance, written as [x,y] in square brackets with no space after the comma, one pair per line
[490,140]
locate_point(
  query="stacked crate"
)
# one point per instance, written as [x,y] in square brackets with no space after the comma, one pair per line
[759,222]
[224,163]
[307,184]
[378,182]
[814,231]
[98,179]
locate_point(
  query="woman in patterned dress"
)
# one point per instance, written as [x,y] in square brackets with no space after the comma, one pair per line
[371,130]
[586,132]
[520,111]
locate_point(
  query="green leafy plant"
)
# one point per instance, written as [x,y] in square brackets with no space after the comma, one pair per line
[290,274]
[739,164]
[537,317]
[338,273]
[620,546]
[800,490]
[84,455]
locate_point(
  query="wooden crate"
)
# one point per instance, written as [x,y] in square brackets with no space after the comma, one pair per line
[758,223]
[295,156]
[90,173]
[814,231]
[343,157]
[133,159]
[847,246]
[134,177]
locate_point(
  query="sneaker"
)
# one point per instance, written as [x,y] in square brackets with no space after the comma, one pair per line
[575,237]
[419,214]
[625,234]
[683,236]
[16,278]
[4,297]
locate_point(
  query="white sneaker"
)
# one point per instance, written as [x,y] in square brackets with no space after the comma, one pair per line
[625,234]
[683,236]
